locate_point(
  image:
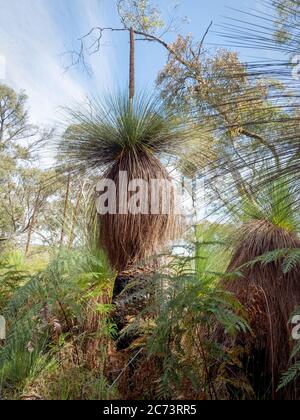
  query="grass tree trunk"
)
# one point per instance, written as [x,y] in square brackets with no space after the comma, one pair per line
[270,296]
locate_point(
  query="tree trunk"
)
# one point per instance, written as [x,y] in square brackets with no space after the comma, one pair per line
[71,237]
[132,65]
[32,223]
[65,210]
[126,308]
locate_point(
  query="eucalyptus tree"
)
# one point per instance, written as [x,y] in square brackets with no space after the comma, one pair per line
[22,184]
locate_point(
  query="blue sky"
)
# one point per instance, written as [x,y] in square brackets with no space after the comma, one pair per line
[35,33]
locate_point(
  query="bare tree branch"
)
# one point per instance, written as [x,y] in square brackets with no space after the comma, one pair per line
[78,57]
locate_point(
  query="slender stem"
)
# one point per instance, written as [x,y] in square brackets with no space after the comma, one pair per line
[272,344]
[127,365]
[132,65]
[71,238]
[32,223]
[65,210]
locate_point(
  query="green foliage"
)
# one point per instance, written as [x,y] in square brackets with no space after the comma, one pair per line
[12,276]
[73,383]
[22,184]
[286,20]
[98,135]
[177,325]
[14,120]
[241,129]
[140,15]
[46,312]
[288,258]
[293,373]
[276,203]
[188,352]
[211,250]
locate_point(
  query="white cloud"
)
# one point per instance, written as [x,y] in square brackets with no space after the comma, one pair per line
[2,67]
[33,34]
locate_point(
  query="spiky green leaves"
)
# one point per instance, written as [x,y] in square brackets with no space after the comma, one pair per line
[275,203]
[101,133]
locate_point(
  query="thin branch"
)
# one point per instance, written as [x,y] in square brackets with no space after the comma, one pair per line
[204,37]
[126,366]
[94,47]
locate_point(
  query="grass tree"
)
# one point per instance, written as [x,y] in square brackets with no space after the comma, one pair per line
[133,137]
[269,292]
